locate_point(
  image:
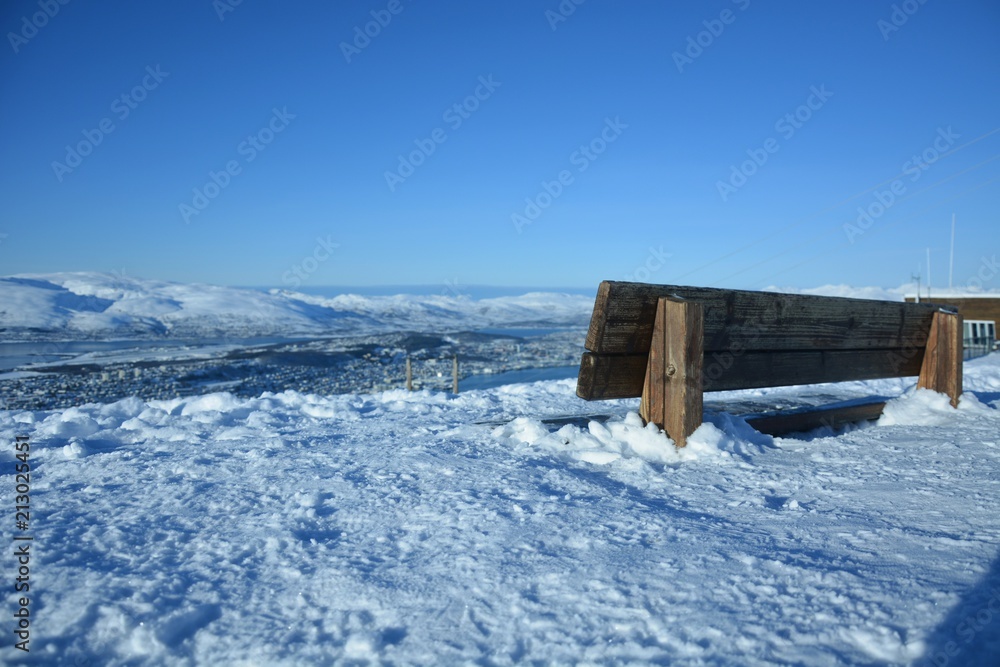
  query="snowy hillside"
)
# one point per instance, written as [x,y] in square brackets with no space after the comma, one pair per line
[98,305]
[393,528]
[103,305]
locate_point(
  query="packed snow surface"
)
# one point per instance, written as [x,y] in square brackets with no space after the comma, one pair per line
[399,528]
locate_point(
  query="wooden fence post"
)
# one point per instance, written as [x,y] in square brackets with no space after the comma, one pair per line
[409,375]
[454,375]
[941,369]
[672,391]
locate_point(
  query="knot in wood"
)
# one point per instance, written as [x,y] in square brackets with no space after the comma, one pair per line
[671,369]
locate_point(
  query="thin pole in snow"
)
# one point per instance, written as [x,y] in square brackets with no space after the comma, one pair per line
[409,375]
[951,260]
[928,274]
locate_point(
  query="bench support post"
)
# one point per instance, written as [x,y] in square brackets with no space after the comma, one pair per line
[941,370]
[672,391]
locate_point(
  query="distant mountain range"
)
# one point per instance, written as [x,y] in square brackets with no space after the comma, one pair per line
[102,305]
[99,305]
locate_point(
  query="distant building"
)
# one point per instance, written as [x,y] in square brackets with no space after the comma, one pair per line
[980,314]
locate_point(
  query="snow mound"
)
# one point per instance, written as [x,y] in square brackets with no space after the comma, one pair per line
[628,438]
[923,407]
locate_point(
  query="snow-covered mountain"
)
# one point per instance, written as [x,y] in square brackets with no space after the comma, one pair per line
[90,305]
[99,304]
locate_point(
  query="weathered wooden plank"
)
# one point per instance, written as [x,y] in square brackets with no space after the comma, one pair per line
[622,322]
[604,377]
[835,417]
[672,395]
[942,363]
[776,369]
[622,376]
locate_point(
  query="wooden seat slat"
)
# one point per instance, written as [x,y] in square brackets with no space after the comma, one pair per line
[621,376]
[622,322]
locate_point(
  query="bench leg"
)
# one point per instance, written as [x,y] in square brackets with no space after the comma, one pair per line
[941,370]
[672,391]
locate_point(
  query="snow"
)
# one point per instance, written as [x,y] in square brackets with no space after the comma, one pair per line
[849,291]
[88,304]
[40,304]
[629,438]
[428,528]
[928,408]
[908,290]
[96,304]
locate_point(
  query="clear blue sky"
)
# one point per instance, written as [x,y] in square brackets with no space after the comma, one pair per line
[677,102]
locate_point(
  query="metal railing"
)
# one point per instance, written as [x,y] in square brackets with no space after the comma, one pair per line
[978,346]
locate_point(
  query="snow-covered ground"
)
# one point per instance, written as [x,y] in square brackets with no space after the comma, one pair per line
[74,305]
[397,528]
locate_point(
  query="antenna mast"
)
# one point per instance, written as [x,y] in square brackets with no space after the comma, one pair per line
[928,274]
[951,260]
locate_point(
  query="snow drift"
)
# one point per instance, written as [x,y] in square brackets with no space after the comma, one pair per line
[409,528]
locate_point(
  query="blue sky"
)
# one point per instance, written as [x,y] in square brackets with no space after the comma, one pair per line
[733,143]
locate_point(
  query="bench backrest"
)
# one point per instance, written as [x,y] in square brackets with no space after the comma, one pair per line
[755,339]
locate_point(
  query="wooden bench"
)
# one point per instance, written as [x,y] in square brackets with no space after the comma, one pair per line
[668,344]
